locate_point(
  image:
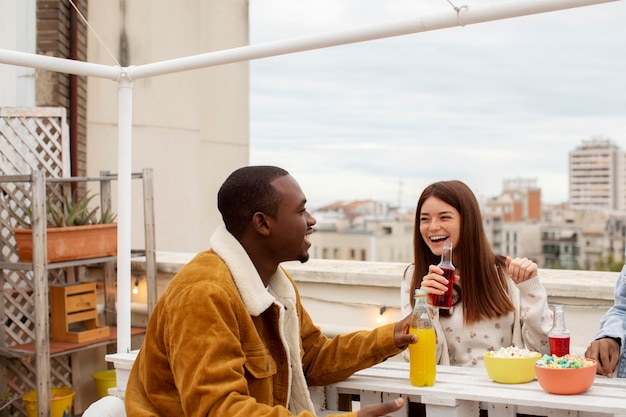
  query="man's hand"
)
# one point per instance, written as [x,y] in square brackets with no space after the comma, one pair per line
[401,336]
[606,352]
[378,410]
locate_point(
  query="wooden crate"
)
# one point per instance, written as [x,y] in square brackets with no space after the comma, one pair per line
[73,308]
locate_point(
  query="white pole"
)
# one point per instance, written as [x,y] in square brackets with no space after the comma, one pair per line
[69,66]
[466,15]
[124,163]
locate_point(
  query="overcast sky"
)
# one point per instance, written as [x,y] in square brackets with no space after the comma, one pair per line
[482,103]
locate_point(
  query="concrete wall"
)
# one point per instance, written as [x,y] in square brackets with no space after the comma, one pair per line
[192,128]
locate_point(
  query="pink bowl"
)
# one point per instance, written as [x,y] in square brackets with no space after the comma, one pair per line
[566,381]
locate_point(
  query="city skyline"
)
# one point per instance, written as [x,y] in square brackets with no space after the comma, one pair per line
[482,104]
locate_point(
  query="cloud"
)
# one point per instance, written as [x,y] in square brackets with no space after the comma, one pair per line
[481,103]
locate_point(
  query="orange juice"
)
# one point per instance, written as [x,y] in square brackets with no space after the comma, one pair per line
[422,357]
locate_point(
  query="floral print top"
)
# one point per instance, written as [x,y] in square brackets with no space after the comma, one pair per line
[464,345]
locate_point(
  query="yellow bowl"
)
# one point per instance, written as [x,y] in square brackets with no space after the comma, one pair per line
[511,370]
[567,381]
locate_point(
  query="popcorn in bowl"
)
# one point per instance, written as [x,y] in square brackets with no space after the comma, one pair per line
[511,365]
[512,352]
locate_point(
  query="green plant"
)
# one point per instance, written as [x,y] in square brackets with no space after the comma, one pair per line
[69,211]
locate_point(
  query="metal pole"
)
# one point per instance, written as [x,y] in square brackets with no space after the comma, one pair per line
[24,59]
[124,161]
[465,15]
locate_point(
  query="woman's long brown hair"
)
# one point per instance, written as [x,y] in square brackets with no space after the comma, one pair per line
[484,288]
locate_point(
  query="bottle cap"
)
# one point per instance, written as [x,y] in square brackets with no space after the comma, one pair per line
[420,293]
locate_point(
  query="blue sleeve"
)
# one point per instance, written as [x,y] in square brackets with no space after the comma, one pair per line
[613,323]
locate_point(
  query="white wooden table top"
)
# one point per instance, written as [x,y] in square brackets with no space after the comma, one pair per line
[606,396]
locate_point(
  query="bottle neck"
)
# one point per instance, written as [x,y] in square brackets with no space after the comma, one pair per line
[421,300]
[446,257]
[559,319]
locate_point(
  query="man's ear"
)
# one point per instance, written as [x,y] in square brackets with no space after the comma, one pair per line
[261,224]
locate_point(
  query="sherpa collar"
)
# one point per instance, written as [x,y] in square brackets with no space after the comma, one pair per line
[257,299]
[254,295]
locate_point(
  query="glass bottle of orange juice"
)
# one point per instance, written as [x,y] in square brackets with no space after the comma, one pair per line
[422,356]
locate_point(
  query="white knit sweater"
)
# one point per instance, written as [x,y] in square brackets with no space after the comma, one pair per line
[464,345]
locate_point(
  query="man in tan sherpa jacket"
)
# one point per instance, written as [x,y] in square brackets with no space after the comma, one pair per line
[229,337]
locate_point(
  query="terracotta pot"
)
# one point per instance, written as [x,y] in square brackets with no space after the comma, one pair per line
[71,243]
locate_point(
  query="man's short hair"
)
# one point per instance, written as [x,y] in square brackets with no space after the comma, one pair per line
[246,191]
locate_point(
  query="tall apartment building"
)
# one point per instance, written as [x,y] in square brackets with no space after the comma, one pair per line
[596,176]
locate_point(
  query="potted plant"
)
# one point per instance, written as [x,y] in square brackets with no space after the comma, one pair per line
[74,230]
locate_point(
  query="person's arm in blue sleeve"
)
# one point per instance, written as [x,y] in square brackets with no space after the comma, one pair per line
[609,341]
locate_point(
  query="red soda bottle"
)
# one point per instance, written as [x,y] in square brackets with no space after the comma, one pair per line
[445,300]
[559,334]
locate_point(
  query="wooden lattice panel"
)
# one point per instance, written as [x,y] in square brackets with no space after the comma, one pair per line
[34,139]
[30,139]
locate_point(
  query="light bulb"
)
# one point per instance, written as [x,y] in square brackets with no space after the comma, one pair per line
[380,319]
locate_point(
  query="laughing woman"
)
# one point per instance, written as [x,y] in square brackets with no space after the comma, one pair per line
[498,301]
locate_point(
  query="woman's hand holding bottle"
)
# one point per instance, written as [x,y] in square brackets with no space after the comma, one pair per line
[435,282]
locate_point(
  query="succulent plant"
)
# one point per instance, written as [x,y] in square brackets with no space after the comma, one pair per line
[69,211]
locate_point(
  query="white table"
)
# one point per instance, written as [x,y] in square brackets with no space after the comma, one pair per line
[461,392]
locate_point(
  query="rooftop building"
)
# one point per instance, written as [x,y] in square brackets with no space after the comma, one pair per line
[596,173]
[362,231]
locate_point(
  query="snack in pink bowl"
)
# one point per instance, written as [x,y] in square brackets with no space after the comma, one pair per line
[565,375]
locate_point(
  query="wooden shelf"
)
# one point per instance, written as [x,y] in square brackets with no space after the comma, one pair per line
[28,266]
[62,348]
[37,307]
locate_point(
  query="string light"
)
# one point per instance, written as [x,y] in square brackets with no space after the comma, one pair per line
[380,317]
[136,287]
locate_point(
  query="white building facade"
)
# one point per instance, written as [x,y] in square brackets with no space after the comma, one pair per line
[596,176]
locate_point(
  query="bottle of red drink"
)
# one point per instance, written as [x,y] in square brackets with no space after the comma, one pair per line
[559,334]
[445,300]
